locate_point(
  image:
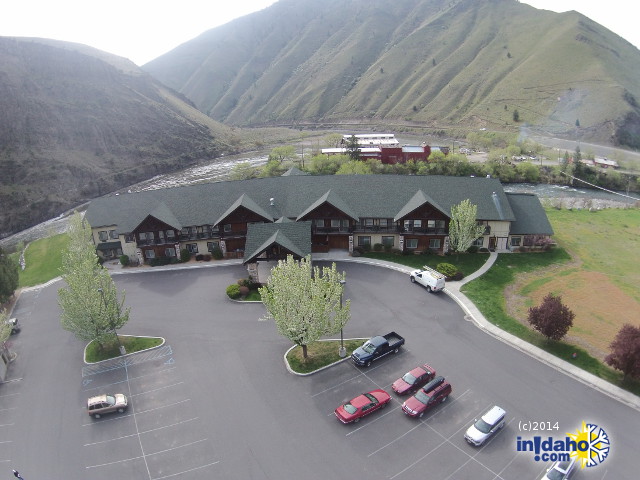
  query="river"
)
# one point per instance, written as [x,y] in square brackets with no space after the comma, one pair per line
[218,170]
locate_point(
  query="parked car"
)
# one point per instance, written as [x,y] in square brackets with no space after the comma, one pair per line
[433,393]
[485,426]
[377,347]
[560,470]
[429,278]
[102,404]
[15,326]
[413,380]
[362,405]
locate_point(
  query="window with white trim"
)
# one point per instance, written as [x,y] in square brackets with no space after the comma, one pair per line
[149,254]
[388,241]
[411,243]
[113,235]
[103,235]
[516,241]
[170,252]
[434,243]
[192,247]
[227,227]
[364,241]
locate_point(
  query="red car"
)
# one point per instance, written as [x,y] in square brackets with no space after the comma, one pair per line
[362,405]
[433,393]
[413,380]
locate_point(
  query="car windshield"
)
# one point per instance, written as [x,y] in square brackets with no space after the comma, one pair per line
[111,400]
[555,475]
[422,397]
[369,347]
[410,379]
[350,409]
[483,426]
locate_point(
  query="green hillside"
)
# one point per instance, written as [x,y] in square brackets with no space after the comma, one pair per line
[437,64]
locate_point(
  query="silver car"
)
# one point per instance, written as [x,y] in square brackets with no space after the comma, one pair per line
[486,426]
[560,470]
[101,404]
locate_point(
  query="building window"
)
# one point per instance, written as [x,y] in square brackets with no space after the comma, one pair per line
[411,243]
[192,247]
[368,222]
[528,241]
[364,241]
[335,222]
[383,222]
[185,231]
[388,241]
[478,242]
[212,245]
[171,235]
[319,222]
[128,238]
[149,254]
[417,224]
[169,252]
[515,241]
[113,235]
[408,225]
[227,227]
[103,235]
[434,243]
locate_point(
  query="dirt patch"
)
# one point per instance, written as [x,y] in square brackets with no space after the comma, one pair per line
[600,306]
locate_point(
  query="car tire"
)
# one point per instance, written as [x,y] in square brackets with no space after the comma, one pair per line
[413,280]
[396,350]
[421,414]
[444,399]
[356,420]
[384,405]
[368,364]
[121,410]
[96,415]
[428,289]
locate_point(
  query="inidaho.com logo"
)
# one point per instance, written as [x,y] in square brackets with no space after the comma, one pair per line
[589,446]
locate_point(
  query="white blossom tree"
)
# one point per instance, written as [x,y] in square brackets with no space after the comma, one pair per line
[463,227]
[305,302]
[90,306]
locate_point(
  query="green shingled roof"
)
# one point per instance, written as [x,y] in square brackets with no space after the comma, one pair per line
[419,199]
[359,196]
[293,236]
[531,219]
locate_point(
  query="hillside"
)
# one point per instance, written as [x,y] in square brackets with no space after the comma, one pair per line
[423,62]
[76,123]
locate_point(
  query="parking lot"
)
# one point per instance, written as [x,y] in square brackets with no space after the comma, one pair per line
[217,402]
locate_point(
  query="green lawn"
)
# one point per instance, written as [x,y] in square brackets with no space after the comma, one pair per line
[320,354]
[43,260]
[604,241]
[111,349]
[467,263]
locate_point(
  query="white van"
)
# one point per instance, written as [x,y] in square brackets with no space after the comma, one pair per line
[430,278]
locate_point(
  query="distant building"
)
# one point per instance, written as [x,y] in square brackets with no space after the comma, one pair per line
[384,147]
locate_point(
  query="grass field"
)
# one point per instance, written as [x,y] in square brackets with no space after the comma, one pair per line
[43,260]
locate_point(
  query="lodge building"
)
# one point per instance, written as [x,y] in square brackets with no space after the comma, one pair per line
[300,214]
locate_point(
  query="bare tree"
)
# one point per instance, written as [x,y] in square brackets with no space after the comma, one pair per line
[551,318]
[625,351]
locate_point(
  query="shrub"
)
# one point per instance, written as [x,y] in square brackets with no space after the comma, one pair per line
[216,252]
[447,269]
[233,291]
[244,290]
[396,251]
[185,255]
[207,258]
[377,247]
[357,251]
[124,260]
[160,261]
[457,276]
[388,248]
[551,318]
[472,249]
[408,252]
[199,257]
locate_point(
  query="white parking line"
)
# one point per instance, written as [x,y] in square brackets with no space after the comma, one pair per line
[156,389]
[187,471]
[140,433]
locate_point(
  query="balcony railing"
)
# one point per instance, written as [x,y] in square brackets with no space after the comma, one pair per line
[155,241]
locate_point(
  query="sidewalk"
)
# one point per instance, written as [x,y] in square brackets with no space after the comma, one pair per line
[453,290]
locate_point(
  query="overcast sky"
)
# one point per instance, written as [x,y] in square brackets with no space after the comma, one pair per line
[142,30]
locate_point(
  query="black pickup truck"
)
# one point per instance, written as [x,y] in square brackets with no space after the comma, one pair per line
[377,347]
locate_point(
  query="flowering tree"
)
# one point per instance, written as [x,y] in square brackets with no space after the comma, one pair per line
[551,318]
[305,302]
[90,306]
[625,351]
[463,227]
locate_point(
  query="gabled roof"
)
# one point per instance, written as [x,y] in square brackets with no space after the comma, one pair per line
[332,199]
[244,201]
[418,200]
[164,214]
[295,237]
[531,219]
[358,196]
[294,171]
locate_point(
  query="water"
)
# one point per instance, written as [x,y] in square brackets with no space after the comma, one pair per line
[218,170]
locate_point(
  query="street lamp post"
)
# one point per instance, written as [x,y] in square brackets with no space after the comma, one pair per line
[342,351]
[123,350]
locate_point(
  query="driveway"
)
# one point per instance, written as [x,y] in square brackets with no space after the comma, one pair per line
[216,401]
